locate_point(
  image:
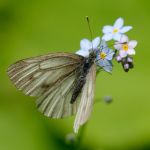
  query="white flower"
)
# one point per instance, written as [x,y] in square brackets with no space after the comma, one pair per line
[87,46]
[125,46]
[115,31]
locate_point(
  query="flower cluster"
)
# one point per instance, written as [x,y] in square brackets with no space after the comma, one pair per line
[123,48]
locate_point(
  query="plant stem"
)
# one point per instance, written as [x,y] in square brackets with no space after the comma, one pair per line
[80,136]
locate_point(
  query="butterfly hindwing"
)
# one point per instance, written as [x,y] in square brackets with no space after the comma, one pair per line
[55,102]
[87,99]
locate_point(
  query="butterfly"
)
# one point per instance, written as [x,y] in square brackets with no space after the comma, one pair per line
[62,82]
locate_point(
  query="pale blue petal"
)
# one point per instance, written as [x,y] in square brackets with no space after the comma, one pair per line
[119,23]
[125,29]
[124,39]
[107,37]
[110,54]
[104,62]
[83,53]
[117,36]
[107,66]
[103,45]
[106,50]
[101,63]
[85,44]
[96,42]
[107,29]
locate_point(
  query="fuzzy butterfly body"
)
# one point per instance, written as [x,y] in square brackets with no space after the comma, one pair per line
[88,62]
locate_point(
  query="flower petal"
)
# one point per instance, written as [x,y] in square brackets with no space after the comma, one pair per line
[107,66]
[85,44]
[124,39]
[125,29]
[126,66]
[119,23]
[117,36]
[122,53]
[132,44]
[106,50]
[83,53]
[131,52]
[118,58]
[107,37]
[107,29]
[129,60]
[110,54]
[100,62]
[103,45]
[96,42]
[118,46]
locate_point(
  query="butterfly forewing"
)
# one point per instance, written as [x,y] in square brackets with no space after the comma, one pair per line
[51,78]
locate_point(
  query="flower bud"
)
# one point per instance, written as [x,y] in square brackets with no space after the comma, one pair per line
[108,99]
[118,58]
[126,66]
[70,138]
[129,60]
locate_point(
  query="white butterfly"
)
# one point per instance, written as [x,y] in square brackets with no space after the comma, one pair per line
[62,82]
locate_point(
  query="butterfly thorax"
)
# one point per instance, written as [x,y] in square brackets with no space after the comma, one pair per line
[81,79]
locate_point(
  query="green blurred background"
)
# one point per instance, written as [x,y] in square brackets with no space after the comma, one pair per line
[33,27]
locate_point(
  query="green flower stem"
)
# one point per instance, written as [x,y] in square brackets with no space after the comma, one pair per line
[80,136]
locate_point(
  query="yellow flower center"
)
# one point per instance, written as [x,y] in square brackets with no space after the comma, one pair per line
[102,55]
[115,30]
[125,47]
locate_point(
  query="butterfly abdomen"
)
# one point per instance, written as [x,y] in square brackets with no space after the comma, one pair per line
[77,89]
[81,79]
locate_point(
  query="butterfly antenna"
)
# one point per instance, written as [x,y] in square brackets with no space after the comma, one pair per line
[91,36]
